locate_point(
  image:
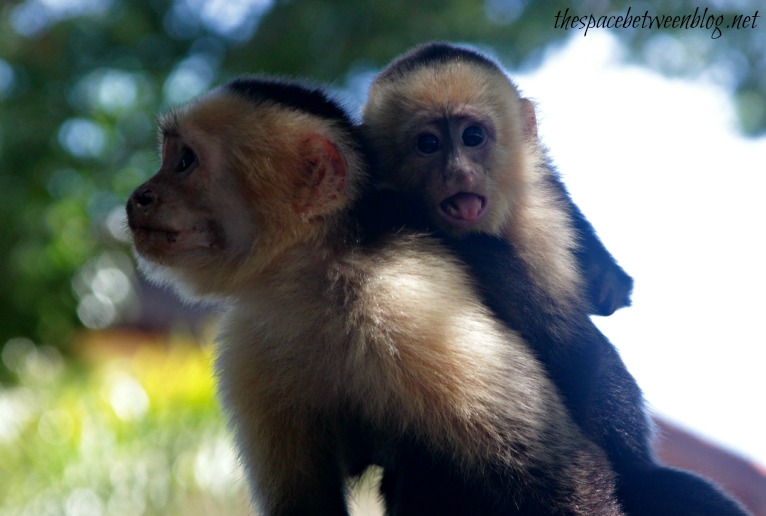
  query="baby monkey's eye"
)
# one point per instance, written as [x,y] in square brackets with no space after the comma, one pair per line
[473,136]
[188,158]
[427,143]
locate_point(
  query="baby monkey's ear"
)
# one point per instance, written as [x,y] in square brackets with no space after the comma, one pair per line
[530,119]
[321,182]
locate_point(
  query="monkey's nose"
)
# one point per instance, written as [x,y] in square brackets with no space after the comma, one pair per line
[143,198]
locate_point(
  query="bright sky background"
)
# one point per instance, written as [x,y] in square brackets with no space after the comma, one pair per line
[679,198]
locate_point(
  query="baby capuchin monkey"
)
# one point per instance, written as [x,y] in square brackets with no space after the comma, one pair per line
[342,347]
[450,132]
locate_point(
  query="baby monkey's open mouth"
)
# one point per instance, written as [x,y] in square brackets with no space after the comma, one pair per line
[464,208]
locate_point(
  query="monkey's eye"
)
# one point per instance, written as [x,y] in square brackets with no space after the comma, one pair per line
[188,158]
[473,136]
[427,143]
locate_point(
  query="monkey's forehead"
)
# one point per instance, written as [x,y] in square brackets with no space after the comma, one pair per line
[435,54]
[223,112]
[444,88]
[266,94]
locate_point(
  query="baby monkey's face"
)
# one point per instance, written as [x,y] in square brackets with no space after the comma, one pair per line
[454,135]
[447,161]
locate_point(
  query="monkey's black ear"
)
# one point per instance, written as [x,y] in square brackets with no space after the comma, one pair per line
[322,185]
[529,118]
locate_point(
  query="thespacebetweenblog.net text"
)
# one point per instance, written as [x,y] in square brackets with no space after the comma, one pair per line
[701,19]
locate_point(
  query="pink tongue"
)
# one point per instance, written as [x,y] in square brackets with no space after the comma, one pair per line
[467,205]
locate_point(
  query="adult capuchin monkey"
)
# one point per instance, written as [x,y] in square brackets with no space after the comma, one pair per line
[450,131]
[342,347]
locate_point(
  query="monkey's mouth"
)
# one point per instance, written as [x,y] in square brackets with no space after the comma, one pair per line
[148,233]
[464,208]
[153,240]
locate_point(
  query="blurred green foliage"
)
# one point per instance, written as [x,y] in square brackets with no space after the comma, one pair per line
[136,433]
[82,80]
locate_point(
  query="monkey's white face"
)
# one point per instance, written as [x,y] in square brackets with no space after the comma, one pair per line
[169,216]
[191,222]
[451,135]
[450,156]
[240,183]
